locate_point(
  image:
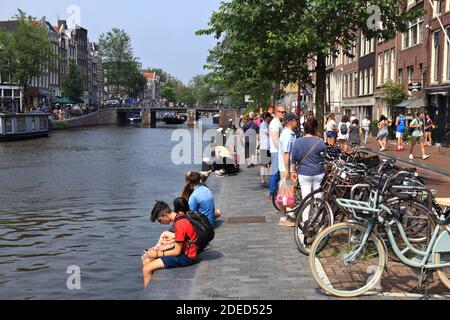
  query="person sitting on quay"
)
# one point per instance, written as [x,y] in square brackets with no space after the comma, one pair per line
[180,205]
[200,197]
[182,252]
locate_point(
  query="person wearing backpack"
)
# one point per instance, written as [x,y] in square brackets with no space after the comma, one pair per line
[180,253]
[418,135]
[344,134]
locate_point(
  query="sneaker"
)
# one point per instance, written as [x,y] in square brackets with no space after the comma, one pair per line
[264,185]
[286,224]
[382,149]
[411,157]
[292,216]
[425,157]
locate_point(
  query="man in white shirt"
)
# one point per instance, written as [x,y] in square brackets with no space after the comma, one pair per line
[275,129]
[287,139]
[264,148]
[365,125]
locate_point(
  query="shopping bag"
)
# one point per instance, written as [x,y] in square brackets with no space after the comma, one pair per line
[286,193]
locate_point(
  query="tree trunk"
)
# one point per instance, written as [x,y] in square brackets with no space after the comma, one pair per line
[321,86]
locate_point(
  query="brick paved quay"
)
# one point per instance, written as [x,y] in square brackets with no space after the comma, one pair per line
[257,261]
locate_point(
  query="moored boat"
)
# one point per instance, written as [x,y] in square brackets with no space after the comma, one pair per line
[15,126]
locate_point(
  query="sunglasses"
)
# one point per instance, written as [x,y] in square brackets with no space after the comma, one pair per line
[283,112]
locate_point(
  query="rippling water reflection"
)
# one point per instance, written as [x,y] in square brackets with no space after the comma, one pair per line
[82,198]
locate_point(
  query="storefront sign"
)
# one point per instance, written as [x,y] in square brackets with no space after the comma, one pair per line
[415,86]
[359,102]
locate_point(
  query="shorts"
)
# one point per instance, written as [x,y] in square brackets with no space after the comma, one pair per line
[416,140]
[399,135]
[176,262]
[331,134]
[264,157]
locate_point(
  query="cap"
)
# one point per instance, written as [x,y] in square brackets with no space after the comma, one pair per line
[290,117]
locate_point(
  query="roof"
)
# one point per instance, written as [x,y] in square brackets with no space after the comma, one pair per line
[150,75]
[8,25]
[413,103]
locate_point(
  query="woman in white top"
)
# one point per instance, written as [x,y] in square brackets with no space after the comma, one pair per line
[331,130]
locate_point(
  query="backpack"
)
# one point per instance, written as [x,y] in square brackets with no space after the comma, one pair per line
[344,129]
[204,229]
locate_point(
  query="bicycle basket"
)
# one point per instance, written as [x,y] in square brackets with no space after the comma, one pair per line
[371,162]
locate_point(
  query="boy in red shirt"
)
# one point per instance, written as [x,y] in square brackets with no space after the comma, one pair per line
[181,253]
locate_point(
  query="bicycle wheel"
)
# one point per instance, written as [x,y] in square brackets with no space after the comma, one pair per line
[340,266]
[443,273]
[320,216]
[417,221]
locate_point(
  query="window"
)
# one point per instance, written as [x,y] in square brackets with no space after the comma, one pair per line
[410,74]
[366,81]
[435,56]
[380,70]
[447,55]
[437,8]
[355,78]
[361,83]
[21,124]
[371,81]
[42,123]
[414,34]
[393,66]
[8,125]
[400,75]
[386,66]
[350,86]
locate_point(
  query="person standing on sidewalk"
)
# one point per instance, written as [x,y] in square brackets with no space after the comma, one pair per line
[251,131]
[428,130]
[365,125]
[332,130]
[307,157]
[400,123]
[287,140]
[264,148]
[383,133]
[275,129]
[418,135]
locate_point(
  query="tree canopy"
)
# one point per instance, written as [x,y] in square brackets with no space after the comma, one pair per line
[273,40]
[25,52]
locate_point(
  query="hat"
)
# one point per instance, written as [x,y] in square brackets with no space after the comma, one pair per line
[290,117]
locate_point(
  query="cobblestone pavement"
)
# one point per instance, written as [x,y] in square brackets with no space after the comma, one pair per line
[254,261]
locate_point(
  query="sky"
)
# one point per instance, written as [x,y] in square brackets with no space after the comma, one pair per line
[162,31]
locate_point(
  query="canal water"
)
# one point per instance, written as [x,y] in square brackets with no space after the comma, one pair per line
[82,198]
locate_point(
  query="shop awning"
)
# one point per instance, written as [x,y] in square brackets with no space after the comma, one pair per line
[413,103]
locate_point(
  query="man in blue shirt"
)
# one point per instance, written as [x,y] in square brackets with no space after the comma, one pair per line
[202,201]
[401,128]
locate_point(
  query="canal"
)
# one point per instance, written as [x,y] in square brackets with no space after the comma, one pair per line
[82,198]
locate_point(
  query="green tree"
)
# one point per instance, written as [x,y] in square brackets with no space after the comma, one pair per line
[26,51]
[273,41]
[168,92]
[394,93]
[135,82]
[72,83]
[118,60]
